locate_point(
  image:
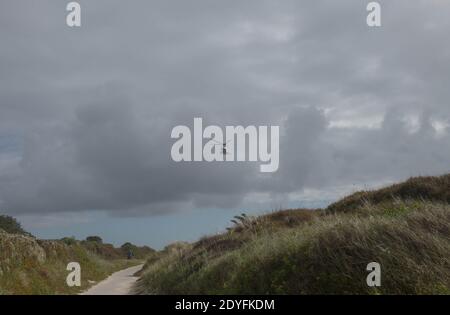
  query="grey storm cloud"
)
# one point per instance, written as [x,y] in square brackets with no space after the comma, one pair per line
[86,113]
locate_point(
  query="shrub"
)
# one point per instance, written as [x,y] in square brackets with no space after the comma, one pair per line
[96,239]
[11,225]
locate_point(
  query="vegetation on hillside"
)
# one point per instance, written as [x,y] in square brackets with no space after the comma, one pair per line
[32,266]
[404,227]
[11,225]
[429,188]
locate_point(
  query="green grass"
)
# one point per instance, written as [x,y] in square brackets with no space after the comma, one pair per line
[30,266]
[320,252]
[431,188]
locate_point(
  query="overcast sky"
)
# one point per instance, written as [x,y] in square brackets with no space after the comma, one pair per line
[86,113]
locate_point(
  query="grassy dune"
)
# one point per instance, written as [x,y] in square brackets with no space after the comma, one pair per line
[404,227]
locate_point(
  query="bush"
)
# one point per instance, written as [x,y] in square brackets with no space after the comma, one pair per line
[96,239]
[69,240]
[11,225]
[136,251]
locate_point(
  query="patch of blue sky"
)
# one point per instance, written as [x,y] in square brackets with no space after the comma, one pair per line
[10,144]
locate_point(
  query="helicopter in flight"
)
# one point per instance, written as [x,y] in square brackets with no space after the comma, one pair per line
[224,146]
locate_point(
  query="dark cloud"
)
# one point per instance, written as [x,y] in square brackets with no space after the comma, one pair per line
[86,114]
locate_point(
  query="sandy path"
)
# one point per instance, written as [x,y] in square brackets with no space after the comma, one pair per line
[119,283]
